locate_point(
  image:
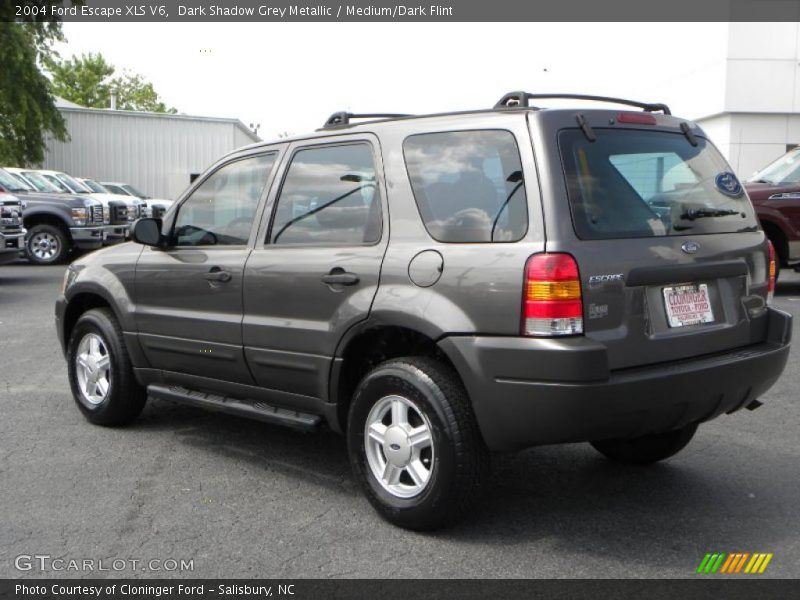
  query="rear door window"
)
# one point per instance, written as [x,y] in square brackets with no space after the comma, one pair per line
[468,185]
[631,183]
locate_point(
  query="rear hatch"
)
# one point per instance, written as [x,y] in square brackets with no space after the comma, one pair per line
[671,258]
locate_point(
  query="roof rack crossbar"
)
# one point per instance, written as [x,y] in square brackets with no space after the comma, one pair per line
[522,99]
[339,119]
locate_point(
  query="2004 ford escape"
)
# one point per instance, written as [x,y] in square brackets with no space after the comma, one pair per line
[443,286]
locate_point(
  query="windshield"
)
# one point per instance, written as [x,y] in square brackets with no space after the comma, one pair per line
[782,171]
[115,189]
[73,184]
[11,183]
[56,183]
[133,191]
[39,182]
[632,183]
[94,186]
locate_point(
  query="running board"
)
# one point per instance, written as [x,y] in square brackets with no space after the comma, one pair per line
[259,411]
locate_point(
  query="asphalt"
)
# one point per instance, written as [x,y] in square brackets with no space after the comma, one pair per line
[245,499]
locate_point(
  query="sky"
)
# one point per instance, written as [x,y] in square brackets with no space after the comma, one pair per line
[289,77]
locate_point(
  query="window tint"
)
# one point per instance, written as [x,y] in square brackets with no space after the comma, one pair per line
[631,183]
[330,196]
[468,185]
[221,210]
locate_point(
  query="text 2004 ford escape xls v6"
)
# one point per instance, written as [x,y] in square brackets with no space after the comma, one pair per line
[443,286]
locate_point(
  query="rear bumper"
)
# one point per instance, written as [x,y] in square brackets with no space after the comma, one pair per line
[527,392]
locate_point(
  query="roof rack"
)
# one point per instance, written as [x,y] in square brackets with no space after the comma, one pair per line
[521,99]
[341,119]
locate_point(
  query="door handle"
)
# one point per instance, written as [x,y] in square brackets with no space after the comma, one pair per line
[339,276]
[217,274]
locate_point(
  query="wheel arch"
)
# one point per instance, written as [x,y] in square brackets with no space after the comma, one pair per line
[86,296]
[371,342]
[46,218]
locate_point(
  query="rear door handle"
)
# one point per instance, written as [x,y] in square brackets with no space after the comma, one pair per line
[217,274]
[339,276]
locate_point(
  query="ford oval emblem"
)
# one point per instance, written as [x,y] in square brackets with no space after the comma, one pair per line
[728,184]
[690,247]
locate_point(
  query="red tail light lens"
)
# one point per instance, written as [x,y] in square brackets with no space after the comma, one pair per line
[636,118]
[772,269]
[552,303]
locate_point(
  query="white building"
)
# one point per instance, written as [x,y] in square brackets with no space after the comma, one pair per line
[155,152]
[746,93]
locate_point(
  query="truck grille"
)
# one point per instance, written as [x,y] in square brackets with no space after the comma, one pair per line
[11,216]
[119,215]
[97,214]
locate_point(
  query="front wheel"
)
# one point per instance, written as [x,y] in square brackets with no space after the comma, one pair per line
[47,245]
[100,371]
[414,444]
[648,448]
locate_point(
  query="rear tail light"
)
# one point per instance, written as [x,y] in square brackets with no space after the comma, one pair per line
[772,269]
[551,303]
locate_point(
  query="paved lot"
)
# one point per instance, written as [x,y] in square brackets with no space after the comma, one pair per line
[248,499]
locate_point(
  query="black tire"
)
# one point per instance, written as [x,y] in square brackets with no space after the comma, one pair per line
[646,449]
[125,398]
[459,464]
[58,241]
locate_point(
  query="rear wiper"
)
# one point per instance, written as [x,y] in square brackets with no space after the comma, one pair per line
[700,213]
[762,181]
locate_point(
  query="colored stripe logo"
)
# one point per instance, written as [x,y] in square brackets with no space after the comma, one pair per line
[734,563]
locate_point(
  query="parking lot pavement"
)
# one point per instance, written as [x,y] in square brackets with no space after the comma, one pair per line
[246,499]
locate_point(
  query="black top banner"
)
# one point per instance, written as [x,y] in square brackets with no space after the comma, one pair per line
[377,10]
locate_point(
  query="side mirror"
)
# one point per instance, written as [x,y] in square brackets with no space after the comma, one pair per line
[148,232]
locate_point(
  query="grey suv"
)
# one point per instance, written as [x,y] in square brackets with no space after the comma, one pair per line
[443,286]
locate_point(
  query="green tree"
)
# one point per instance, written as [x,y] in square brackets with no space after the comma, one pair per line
[88,80]
[85,80]
[27,110]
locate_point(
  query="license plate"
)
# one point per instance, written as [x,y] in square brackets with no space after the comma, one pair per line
[687,305]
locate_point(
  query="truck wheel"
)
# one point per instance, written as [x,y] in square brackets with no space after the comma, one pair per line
[414,444]
[47,244]
[100,372]
[648,448]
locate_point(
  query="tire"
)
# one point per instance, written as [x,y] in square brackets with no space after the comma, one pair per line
[124,398]
[47,245]
[444,476]
[646,449]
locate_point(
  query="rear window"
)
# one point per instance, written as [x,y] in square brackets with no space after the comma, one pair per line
[468,185]
[631,183]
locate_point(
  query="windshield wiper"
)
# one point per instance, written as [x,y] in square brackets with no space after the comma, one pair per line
[348,178]
[701,213]
[762,181]
[515,177]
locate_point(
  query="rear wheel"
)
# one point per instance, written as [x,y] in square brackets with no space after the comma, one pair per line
[100,371]
[414,444]
[47,244]
[648,448]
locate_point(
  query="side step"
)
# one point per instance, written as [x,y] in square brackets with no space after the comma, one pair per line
[259,411]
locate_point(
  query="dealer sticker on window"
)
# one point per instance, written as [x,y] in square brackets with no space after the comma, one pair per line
[687,305]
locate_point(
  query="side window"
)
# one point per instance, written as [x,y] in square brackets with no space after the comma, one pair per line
[468,185]
[329,196]
[221,210]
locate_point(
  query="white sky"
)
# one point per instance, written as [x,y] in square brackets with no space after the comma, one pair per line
[290,77]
